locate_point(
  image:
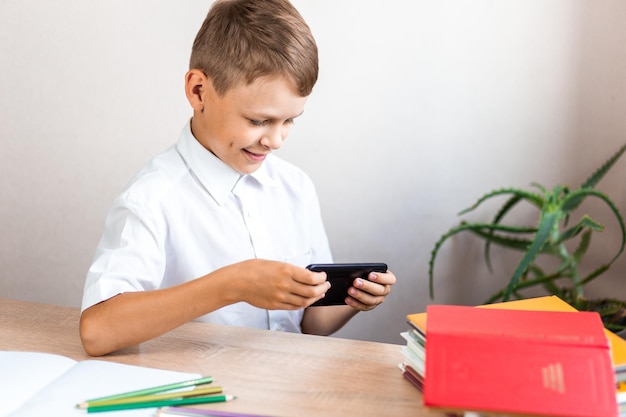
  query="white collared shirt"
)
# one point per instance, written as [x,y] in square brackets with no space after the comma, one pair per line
[186,214]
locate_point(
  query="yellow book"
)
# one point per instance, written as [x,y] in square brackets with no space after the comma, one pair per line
[546,303]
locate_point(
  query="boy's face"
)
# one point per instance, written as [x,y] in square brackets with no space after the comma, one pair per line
[248,122]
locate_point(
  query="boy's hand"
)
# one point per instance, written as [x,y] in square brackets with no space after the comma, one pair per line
[277,285]
[366,295]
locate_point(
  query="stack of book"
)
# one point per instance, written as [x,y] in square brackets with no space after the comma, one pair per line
[620,377]
[529,357]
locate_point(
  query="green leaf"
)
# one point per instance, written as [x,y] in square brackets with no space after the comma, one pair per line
[595,193]
[547,223]
[433,255]
[474,227]
[540,187]
[517,196]
[508,206]
[593,180]
[582,246]
[522,285]
[512,242]
[504,241]
[572,200]
[595,274]
[585,222]
[533,198]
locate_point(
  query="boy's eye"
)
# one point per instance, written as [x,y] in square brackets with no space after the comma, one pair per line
[258,122]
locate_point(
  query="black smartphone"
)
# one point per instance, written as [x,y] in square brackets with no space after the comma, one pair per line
[341,277]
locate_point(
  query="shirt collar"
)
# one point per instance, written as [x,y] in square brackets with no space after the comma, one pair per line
[216,177]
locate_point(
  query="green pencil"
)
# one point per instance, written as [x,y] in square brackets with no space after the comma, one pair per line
[153,390]
[155,397]
[162,403]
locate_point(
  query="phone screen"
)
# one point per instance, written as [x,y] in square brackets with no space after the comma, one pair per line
[341,277]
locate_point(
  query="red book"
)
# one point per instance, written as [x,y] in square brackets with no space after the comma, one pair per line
[544,363]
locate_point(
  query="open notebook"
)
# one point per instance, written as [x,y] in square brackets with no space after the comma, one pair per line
[42,384]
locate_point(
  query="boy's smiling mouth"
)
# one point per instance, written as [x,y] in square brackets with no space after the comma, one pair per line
[256,157]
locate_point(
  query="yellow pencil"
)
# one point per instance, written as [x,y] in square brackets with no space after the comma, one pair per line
[154,390]
[202,399]
[154,397]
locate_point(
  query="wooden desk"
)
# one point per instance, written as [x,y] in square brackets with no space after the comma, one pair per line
[272,373]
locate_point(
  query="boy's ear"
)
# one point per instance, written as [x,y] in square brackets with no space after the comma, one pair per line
[196,85]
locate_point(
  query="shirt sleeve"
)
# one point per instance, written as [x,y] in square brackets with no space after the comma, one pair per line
[129,257]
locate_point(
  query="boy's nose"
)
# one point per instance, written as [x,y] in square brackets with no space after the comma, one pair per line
[274,138]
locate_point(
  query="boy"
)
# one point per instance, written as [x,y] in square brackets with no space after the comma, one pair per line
[216,228]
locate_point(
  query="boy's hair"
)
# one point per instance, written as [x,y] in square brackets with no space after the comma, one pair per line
[242,40]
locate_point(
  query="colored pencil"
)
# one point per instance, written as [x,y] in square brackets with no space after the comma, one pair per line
[199,412]
[155,397]
[153,390]
[162,403]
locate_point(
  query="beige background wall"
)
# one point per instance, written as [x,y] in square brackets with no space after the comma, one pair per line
[421,107]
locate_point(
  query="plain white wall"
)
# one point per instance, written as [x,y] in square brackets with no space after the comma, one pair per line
[421,107]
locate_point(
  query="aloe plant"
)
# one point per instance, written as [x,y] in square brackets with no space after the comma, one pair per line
[548,238]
